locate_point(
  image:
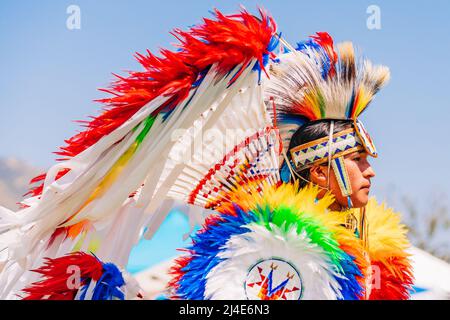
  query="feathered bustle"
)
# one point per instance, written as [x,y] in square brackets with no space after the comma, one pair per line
[239,235]
[226,41]
[278,222]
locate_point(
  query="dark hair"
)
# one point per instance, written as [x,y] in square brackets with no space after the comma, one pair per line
[313,131]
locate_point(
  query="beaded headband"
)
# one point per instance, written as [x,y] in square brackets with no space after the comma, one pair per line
[344,142]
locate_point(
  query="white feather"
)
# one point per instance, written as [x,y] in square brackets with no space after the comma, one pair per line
[117,221]
[226,280]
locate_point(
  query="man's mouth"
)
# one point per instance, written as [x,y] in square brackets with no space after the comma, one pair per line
[367,186]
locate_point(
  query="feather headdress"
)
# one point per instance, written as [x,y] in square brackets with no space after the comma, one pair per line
[159,138]
[318,81]
[315,82]
[120,174]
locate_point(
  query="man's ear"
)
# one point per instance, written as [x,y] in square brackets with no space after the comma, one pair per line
[318,175]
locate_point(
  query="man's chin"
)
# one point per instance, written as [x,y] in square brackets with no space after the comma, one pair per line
[359,203]
[360,199]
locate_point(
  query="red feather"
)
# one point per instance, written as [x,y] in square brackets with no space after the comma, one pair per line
[38,190]
[396,279]
[226,41]
[326,42]
[59,231]
[56,277]
[176,271]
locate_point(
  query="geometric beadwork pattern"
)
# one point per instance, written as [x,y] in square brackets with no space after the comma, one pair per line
[316,152]
[341,174]
[362,134]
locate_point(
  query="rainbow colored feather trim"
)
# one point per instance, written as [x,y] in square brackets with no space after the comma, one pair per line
[319,81]
[284,226]
[387,245]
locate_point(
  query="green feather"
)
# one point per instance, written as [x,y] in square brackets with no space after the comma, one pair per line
[285,217]
[148,123]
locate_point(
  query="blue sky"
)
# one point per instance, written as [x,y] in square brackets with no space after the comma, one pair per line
[50,74]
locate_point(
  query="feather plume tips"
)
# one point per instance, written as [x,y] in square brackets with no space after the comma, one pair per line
[316,82]
[225,41]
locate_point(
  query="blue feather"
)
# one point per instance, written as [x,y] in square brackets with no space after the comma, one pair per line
[287,118]
[307,44]
[84,289]
[273,44]
[324,60]
[350,287]
[108,286]
[206,247]
[208,243]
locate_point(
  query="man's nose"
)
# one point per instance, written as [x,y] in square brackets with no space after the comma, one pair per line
[369,172]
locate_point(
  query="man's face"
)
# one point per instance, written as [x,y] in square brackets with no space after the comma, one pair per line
[359,172]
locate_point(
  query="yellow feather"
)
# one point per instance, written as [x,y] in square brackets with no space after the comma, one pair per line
[114,172]
[304,201]
[387,236]
[108,180]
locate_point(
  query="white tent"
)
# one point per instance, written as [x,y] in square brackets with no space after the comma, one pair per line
[432,276]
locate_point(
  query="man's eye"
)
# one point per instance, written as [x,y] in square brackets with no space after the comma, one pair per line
[357,159]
